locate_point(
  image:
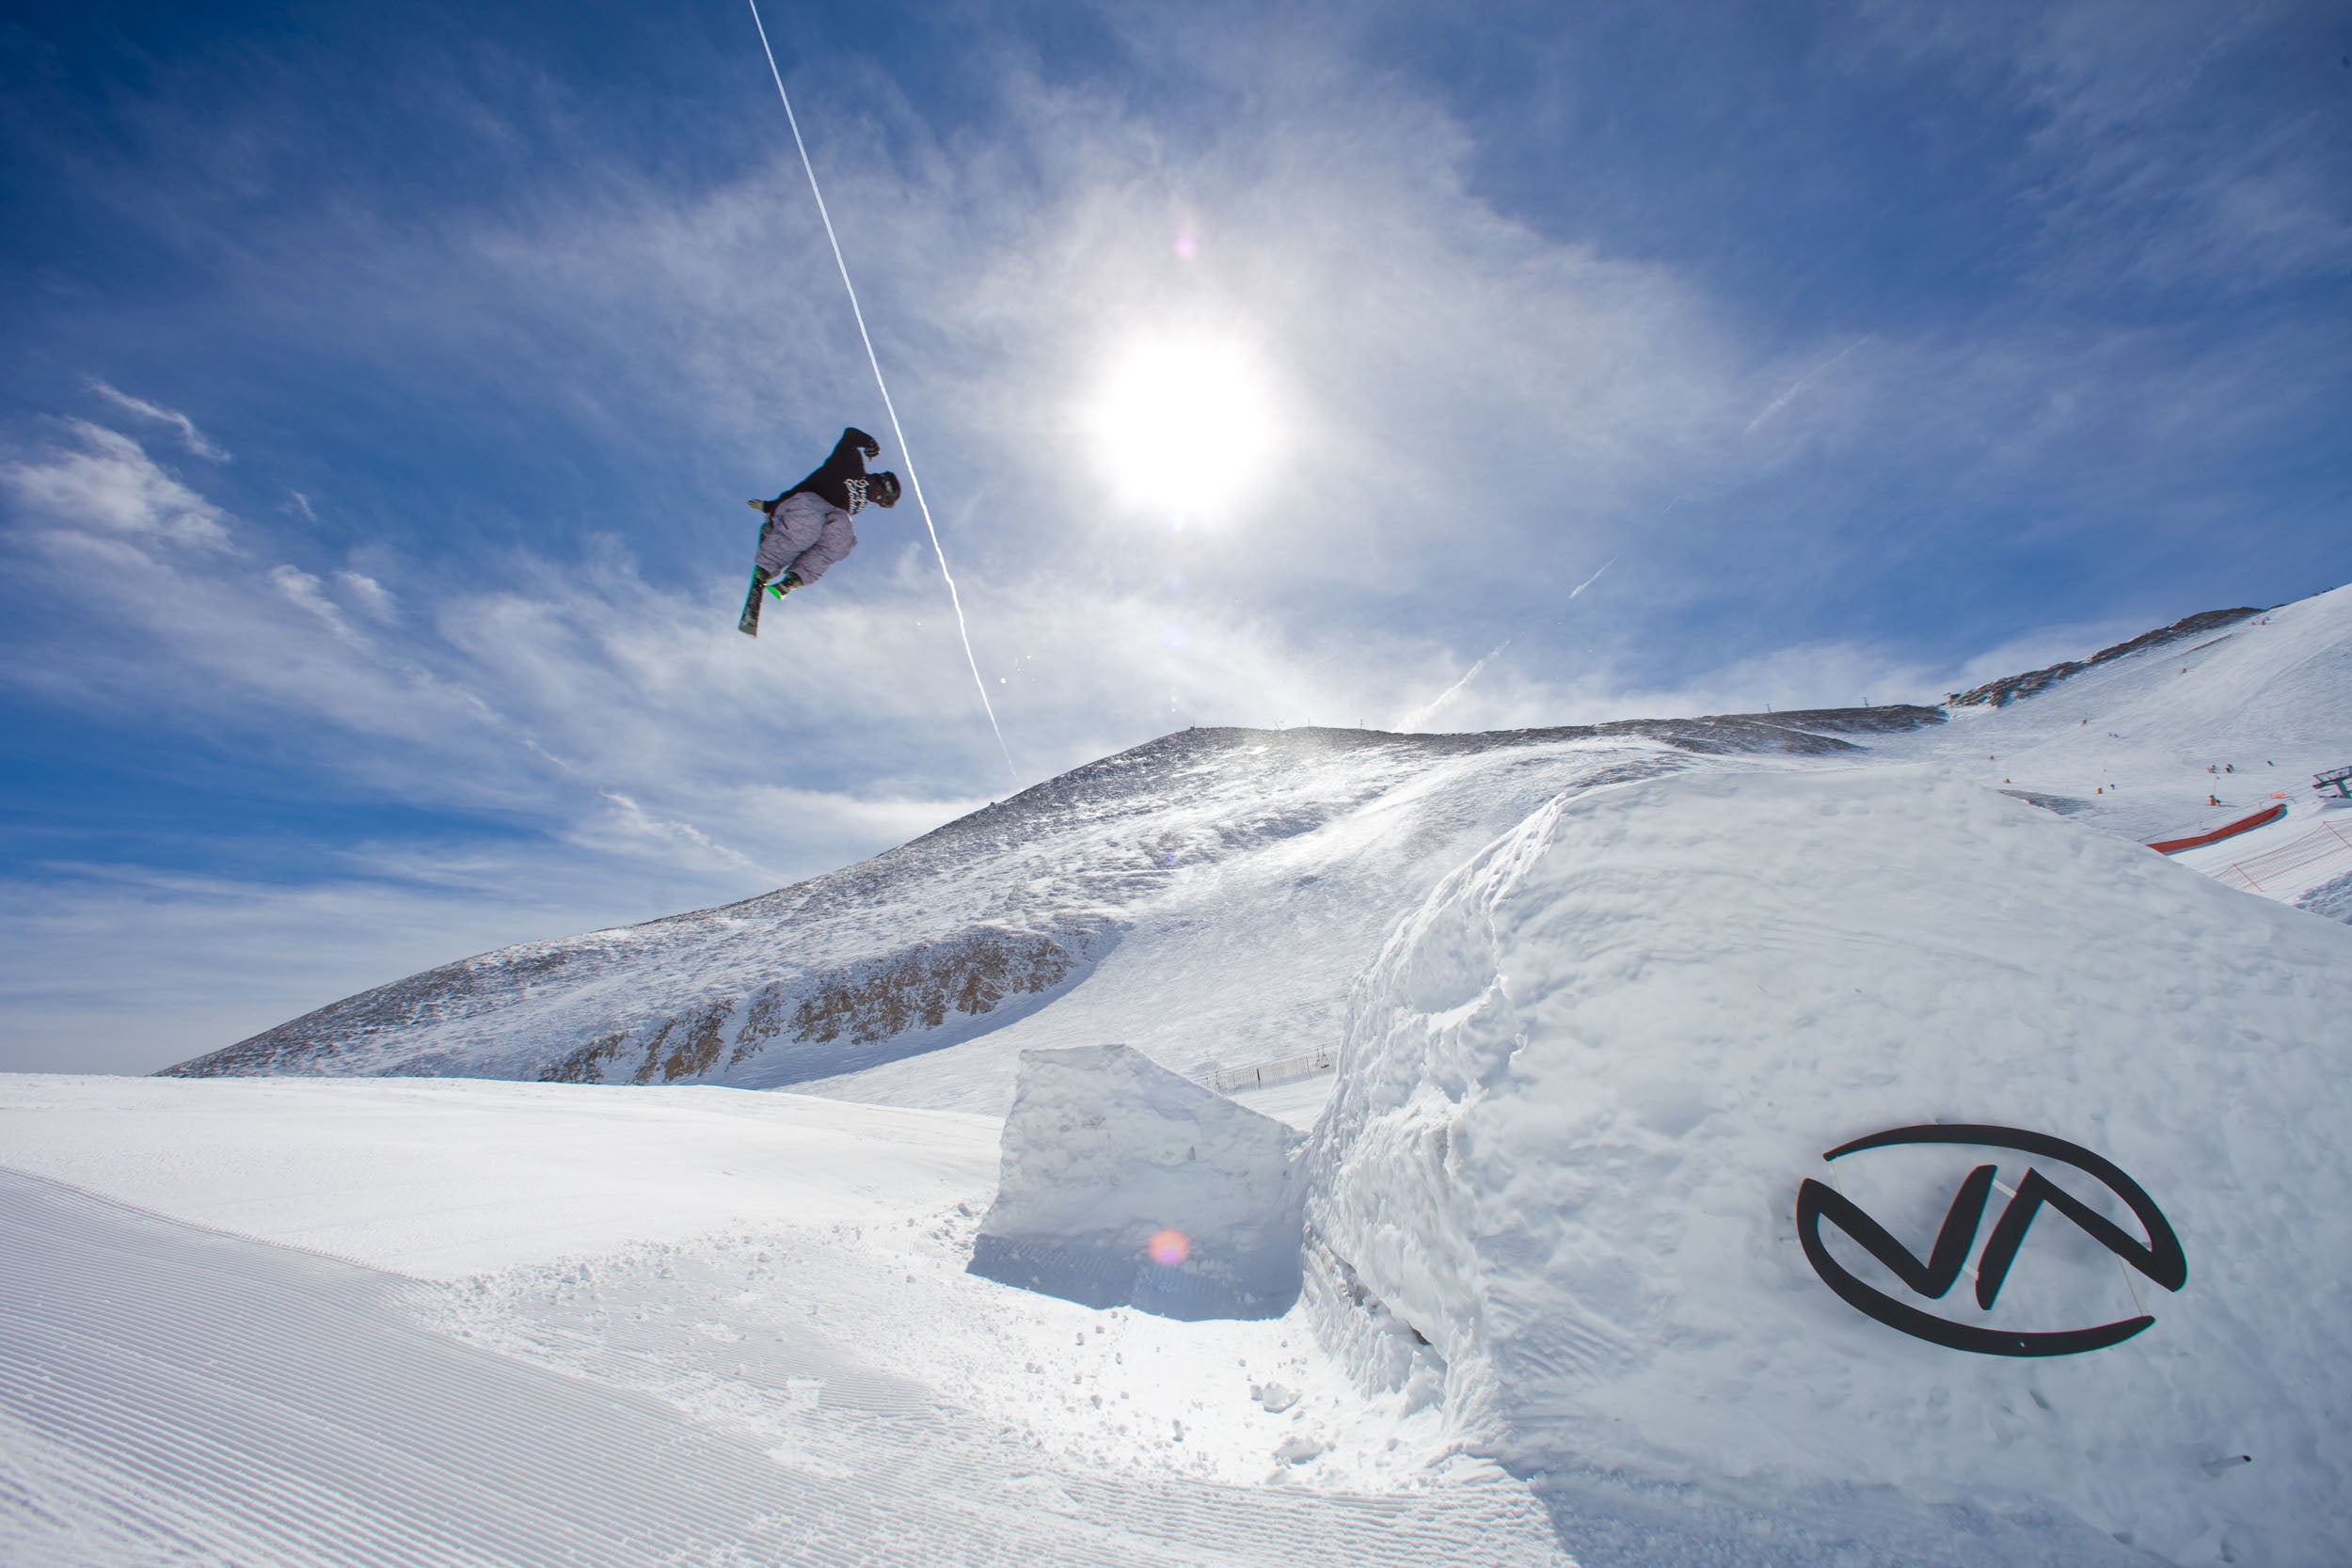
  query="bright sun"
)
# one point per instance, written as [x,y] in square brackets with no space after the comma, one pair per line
[1182,425]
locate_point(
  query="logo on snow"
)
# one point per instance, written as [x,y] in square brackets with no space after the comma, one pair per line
[2160,1258]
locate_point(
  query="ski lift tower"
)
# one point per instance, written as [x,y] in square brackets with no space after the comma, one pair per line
[2340,777]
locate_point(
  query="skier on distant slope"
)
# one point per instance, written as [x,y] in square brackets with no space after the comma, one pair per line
[808,530]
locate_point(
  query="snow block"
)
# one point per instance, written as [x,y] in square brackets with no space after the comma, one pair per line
[1586,1085]
[1124,1185]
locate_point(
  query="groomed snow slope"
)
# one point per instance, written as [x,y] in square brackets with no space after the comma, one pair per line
[1583,1083]
[591,1325]
[2125,745]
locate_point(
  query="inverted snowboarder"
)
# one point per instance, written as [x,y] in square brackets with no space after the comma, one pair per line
[808,530]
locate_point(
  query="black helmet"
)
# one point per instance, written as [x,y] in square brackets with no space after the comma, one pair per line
[883,488]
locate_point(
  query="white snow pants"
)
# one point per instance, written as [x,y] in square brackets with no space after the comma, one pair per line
[808,535]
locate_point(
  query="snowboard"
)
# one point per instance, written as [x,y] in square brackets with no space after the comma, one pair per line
[749,624]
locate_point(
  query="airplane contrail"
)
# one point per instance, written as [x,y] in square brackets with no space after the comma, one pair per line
[1451,692]
[1802,382]
[1586,583]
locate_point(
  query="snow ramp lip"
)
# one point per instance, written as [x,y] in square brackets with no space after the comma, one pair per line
[2243,825]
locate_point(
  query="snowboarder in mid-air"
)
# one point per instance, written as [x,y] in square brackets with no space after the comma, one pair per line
[807,529]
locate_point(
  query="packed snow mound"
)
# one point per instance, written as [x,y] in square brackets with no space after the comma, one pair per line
[1584,1081]
[1126,1184]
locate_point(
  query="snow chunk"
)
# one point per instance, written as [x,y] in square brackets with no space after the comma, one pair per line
[1582,1085]
[1273,1397]
[1126,1184]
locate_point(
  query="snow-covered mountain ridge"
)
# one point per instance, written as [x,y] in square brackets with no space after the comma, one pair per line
[2000,694]
[990,917]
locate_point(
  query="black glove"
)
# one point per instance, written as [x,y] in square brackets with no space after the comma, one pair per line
[866,443]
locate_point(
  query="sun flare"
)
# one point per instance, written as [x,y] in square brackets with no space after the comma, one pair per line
[1183,424]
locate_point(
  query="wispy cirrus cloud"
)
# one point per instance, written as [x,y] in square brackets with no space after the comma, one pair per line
[190,437]
[104,479]
[2171,147]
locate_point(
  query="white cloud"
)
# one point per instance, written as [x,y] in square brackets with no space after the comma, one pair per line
[629,820]
[108,482]
[2170,146]
[303,590]
[630,721]
[190,437]
[790,816]
[105,969]
[376,600]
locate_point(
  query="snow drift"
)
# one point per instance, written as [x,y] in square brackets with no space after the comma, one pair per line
[1125,1184]
[1580,1088]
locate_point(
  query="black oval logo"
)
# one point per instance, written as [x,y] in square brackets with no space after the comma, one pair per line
[2159,1257]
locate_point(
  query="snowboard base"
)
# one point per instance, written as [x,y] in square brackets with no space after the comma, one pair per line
[749,624]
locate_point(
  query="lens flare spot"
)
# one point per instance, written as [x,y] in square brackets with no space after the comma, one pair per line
[1169,1249]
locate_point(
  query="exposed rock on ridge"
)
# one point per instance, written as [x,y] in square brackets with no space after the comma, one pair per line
[2000,694]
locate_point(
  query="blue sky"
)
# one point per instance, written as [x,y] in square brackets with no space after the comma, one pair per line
[380,387]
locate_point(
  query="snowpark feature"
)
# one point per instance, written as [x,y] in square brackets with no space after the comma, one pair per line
[1602,999]
[1123,1184]
[2198,841]
[1583,1083]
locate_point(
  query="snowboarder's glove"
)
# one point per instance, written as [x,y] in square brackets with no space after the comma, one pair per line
[866,443]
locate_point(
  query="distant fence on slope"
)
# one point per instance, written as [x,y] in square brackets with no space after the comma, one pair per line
[2320,845]
[1282,1070]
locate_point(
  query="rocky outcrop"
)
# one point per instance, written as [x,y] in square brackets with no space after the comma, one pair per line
[2000,694]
